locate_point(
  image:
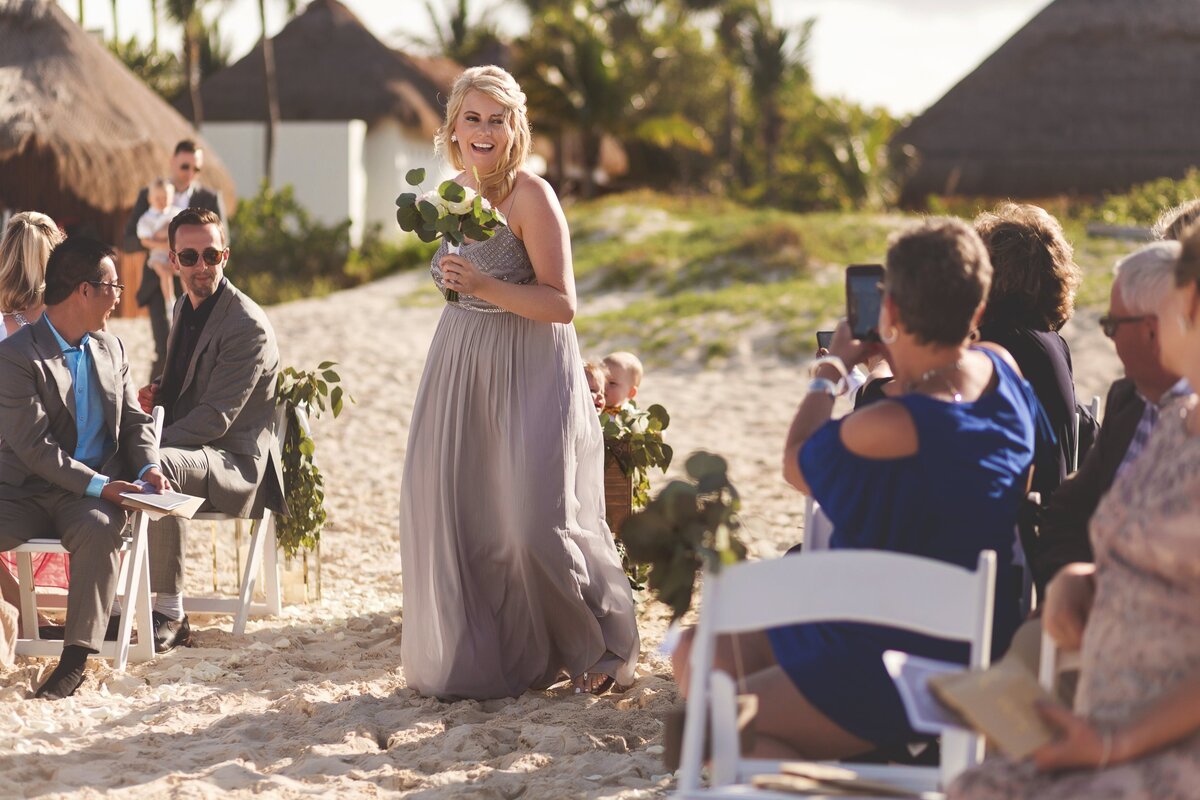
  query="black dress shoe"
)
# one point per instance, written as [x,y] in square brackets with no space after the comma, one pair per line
[67,675]
[171,633]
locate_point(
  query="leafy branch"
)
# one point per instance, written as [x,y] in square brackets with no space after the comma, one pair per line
[689,525]
[304,393]
[633,438]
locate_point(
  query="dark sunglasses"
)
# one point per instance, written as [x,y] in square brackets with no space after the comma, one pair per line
[189,257]
[1109,324]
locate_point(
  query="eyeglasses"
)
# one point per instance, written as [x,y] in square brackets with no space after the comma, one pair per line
[189,257]
[116,287]
[1109,323]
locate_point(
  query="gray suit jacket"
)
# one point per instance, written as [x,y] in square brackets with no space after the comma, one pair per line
[37,414]
[227,402]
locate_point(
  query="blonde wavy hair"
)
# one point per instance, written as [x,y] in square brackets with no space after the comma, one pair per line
[502,87]
[28,240]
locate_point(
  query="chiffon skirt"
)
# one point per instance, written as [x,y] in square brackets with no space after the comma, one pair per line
[511,578]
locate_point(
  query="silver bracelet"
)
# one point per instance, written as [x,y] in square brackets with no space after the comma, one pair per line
[824,386]
[843,382]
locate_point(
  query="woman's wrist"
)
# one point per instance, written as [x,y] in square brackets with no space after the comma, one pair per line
[828,372]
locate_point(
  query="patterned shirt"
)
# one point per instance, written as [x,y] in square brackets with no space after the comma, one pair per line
[1149,419]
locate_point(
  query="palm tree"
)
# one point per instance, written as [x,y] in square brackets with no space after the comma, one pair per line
[116,35]
[455,37]
[272,127]
[153,26]
[186,13]
[772,56]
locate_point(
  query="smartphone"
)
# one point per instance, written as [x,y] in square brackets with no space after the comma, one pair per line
[823,339]
[864,298]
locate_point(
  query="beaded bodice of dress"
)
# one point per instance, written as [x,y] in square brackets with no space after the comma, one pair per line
[503,256]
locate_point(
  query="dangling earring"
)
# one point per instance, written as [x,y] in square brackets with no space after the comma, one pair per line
[974,337]
[890,336]
[454,137]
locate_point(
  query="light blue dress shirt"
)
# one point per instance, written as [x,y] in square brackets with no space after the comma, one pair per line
[92,442]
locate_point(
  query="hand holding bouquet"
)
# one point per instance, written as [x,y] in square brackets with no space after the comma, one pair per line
[452,210]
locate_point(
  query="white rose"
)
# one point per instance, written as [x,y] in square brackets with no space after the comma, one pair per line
[436,200]
[464,205]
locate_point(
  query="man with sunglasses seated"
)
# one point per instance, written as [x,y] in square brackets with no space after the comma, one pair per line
[218,392]
[186,164]
[1134,403]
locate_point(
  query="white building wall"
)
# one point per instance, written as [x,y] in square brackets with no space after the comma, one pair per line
[323,161]
[389,152]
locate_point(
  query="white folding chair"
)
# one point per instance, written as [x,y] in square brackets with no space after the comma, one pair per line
[818,528]
[1052,660]
[264,553]
[133,588]
[869,586]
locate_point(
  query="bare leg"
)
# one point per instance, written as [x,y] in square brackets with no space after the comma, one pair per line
[786,725]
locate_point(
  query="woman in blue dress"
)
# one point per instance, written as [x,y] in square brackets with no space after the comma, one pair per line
[937,471]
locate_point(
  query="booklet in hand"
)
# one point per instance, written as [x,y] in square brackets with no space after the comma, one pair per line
[161,504]
[829,780]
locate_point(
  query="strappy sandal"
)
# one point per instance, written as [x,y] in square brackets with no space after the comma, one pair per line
[599,689]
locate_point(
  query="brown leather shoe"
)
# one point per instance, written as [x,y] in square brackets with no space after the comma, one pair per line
[171,633]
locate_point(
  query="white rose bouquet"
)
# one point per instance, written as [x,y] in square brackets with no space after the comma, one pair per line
[452,210]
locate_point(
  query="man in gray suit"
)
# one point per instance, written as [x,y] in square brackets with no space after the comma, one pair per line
[218,391]
[70,428]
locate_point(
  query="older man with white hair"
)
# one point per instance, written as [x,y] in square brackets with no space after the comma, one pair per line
[1143,280]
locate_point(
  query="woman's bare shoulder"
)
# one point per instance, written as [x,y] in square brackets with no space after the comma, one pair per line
[882,430]
[1005,356]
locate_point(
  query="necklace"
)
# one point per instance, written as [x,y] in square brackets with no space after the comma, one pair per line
[928,374]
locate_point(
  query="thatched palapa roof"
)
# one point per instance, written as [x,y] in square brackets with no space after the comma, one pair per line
[79,133]
[328,66]
[1089,96]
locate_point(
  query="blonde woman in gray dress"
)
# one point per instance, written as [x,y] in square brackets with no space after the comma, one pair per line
[511,577]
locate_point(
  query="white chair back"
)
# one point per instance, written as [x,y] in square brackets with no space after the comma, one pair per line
[868,586]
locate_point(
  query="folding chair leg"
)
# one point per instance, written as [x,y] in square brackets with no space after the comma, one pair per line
[29,628]
[271,567]
[143,611]
[253,560]
[133,585]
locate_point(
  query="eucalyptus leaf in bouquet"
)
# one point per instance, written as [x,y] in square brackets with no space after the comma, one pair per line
[451,211]
[633,438]
[688,526]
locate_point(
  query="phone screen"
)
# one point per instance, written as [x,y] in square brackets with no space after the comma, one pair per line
[823,339]
[864,297]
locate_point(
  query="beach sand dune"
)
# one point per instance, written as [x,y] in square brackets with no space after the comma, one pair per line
[314,702]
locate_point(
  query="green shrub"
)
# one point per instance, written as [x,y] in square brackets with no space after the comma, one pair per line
[280,253]
[1142,204]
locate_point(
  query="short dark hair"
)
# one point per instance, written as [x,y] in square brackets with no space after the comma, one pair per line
[186,146]
[937,274]
[76,260]
[1035,275]
[193,216]
[1174,221]
[1187,269]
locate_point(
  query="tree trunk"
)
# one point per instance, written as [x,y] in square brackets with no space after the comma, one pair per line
[116,34]
[191,45]
[81,13]
[731,138]
[591,162]
[272,126]
[154,26]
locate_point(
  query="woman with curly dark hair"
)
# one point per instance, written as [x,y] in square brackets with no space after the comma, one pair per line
[1032,296]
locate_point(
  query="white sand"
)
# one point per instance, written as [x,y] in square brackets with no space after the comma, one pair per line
[315,703]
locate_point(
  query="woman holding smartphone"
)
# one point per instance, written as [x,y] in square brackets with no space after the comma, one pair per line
[937,471]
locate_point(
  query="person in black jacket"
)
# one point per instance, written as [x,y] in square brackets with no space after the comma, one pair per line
[1032,296]
[1142,282]
[186,164]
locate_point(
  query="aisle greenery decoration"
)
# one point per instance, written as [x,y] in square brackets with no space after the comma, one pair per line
[633,438]
[306,394]
[691,524]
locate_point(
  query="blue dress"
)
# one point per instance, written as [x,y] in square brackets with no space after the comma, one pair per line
[958,495]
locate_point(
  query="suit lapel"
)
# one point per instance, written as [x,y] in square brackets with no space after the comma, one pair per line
[102,369]
[210,328]
[52,356]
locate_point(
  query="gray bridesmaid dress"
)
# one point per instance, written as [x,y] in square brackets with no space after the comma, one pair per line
[511,578]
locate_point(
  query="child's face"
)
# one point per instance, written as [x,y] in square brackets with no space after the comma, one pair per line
[159,198]
[619,387]
[597,390]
